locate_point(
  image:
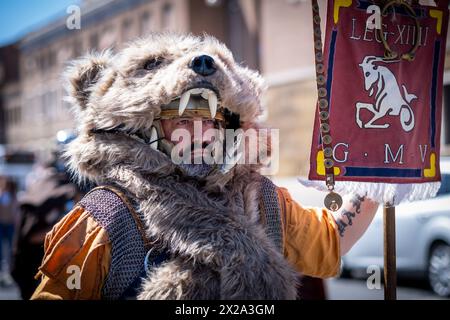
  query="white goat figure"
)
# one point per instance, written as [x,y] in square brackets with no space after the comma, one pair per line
[389,99]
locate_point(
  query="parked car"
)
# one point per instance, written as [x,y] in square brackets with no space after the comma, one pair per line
[422,240]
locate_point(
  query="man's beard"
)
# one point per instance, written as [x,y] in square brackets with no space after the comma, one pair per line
[196,170]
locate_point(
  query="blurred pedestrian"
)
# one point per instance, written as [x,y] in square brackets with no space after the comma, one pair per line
[8,215]
[48,196]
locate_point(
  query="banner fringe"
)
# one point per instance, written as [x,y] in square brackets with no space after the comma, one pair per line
[392,193]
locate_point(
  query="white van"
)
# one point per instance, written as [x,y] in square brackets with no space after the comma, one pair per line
[422,240]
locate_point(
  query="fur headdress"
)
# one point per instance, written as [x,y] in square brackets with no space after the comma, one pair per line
[125,91]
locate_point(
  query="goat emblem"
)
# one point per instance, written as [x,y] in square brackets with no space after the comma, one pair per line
[389,98]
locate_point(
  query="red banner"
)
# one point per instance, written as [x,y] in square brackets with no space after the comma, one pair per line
[384,115]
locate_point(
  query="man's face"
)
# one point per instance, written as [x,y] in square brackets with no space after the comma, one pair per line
[197,142]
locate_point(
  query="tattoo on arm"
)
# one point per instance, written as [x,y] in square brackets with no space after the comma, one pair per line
[349,215]
[356,201]
[341,226]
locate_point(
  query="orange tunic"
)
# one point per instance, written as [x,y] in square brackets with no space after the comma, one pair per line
[310,241]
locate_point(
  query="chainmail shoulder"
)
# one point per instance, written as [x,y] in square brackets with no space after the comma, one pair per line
[271,212]
[127,244]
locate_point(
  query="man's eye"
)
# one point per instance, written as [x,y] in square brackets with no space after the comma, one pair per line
[182,122]
[152,63]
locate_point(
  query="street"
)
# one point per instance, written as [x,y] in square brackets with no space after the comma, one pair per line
[337,289]
[353,289]
[9,293]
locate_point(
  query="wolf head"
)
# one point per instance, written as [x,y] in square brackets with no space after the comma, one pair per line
[126,91]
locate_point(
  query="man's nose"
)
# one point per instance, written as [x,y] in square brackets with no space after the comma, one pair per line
[203,65]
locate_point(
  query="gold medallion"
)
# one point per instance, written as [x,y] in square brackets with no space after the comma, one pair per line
[333,201]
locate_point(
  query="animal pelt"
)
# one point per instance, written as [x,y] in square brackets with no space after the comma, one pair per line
[218,249]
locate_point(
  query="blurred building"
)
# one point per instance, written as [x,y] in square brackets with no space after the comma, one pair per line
[273,36]
[39,111]
[9,89]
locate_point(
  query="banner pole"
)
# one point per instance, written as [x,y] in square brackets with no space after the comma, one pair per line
[390,268]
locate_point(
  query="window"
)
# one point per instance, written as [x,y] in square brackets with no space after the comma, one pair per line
[77,48]
[45,106]
[35,108]
[127,29]
[10,116]
[48,101]
[18,114]
[30,63]
[93,41]
[40,62]
[145,24]
[51,56]
[46,60]
[167,16]
[28,106]
[108,37]
[13,115]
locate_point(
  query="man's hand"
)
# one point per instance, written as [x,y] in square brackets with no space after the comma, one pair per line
[353,219]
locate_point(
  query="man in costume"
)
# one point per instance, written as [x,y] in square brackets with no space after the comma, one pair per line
[159,229]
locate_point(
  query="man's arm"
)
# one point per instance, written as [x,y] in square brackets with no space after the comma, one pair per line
[353,219]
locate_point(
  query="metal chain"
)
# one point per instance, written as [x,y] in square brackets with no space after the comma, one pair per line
[333,201]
